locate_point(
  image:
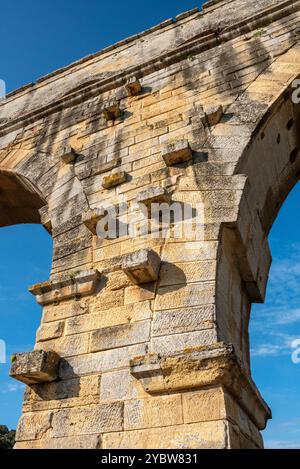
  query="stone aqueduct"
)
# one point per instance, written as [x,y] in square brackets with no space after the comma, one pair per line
[144,342]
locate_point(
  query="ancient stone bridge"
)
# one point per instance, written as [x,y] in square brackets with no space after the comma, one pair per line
[143,340]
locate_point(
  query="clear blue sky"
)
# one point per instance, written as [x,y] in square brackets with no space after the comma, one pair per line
[39,37]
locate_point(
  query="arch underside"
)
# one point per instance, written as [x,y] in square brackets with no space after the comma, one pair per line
[20,201]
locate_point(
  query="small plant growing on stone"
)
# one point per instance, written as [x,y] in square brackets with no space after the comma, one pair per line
[13,357]
[260,32]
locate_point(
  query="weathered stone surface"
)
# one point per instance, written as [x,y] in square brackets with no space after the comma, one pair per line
[175,153]
[154,412]
[133,86]
[119,386]
[142,266]
[74,285]
[120,336]
[221,80]
[35,367]
[34,426]
[115,179]
[111,110]
[154,195]
[50,331]
[212,115]
[89,420]
[195,436]
[74,442]
[92,217]
[67,154]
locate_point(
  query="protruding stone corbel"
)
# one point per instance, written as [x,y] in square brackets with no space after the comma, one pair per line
[66,287]
[112,110]
[133,86]
[142,266]
[92,217]
[114,179]
[212,115]
[176,152]
[201,368]
[153,195]
[35,367]
[45,218]
[68,154]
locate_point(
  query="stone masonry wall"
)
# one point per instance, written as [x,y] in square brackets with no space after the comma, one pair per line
[152,333]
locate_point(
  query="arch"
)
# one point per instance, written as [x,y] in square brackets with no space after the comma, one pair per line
[20,200]
[270,164]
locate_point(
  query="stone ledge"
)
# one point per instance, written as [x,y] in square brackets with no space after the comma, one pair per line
[68,154]
[114,179]
[177,152]
[197,45]
[153,195]
[66,287]
[199,368]
[212,115]
[91,218]
[133,86]
[111,110]
[142,266]
[35,367]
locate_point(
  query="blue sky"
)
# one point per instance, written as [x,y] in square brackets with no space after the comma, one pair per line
[39,37]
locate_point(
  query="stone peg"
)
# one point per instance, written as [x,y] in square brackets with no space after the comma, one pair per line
[142,266]
[177,152]
[133,86]
[114,179]
[68,154]
[45,218]
[91,218]
[212,115]
[35,367]
[112,110]
[153,195]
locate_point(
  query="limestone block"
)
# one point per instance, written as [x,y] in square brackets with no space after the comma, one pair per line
[73,442]
[141,293]
[212,115]
[204,435]
[153,195]
[45,218]
[100,362]
[142,266]
[170,344]
[33,426]
[49,331]
[88,420]
[91,218]
[183,320]
[154,412]
[114,179]
[119,386]
[35,367]
[68,154]
[99,318]
[120,336]
[66,346]
[133,86]
[64,287]
[176,153]
[185,295]
[112,110]
[203,406]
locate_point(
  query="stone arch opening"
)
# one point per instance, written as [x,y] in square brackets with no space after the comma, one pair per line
[25,253]
[271,164]
[20,200]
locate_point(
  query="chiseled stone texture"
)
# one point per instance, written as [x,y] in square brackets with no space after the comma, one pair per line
[198,111]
